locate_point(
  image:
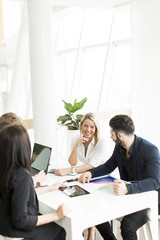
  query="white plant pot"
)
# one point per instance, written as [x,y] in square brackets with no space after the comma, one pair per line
[69,135]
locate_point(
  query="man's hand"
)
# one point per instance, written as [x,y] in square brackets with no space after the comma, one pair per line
[85,177]
[119,187]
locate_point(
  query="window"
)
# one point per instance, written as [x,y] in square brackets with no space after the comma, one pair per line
[92,55]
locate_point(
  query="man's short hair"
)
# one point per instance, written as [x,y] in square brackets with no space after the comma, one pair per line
[122,123]
[8,119]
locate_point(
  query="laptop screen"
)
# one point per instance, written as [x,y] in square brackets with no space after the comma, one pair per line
[40,157]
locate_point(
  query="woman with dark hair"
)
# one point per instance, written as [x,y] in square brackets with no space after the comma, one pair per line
[18,201]
[8,119]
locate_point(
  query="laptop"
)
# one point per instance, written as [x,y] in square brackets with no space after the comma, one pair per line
[40,158]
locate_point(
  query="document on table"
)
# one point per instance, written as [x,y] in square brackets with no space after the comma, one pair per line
[102,180]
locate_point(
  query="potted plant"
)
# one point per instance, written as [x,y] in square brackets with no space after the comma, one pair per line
[72,120]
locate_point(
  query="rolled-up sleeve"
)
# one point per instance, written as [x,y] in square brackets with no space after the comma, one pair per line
[23,201]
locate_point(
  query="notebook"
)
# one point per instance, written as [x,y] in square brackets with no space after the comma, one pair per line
[40,158]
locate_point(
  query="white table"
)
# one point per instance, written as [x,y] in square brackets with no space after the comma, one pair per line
[100,206]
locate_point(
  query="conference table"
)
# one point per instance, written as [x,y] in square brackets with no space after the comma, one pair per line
[99,206]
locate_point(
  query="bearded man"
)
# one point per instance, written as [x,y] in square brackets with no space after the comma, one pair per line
[138,162]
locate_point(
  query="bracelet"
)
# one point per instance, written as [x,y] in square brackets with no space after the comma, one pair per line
[73,170]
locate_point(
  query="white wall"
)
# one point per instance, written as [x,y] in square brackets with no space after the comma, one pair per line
[146,68]
[42,78]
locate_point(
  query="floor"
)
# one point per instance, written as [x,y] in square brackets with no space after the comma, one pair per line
[141,234]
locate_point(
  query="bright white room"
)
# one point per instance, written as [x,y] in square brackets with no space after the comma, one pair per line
[107,51]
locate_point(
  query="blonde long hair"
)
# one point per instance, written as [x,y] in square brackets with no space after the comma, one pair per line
[92,117]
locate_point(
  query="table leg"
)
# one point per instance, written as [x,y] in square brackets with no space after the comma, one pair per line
[72,228]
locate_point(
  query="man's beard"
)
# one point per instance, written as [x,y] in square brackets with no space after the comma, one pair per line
[118,141]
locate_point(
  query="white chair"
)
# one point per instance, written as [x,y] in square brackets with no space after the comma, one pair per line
[147,231]
[8,238]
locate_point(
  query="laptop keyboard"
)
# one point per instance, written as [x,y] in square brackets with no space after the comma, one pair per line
[34,171]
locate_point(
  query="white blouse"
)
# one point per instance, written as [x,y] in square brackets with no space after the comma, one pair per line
[95,157]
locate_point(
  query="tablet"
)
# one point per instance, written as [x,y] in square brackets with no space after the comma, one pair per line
[74,191]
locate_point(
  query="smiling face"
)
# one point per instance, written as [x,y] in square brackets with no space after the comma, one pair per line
[88,129]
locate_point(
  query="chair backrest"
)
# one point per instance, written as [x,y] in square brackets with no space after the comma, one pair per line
[28,123]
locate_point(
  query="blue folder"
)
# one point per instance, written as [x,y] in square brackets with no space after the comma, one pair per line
[106,179]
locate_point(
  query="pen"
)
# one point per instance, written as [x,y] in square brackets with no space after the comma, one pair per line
[71,180]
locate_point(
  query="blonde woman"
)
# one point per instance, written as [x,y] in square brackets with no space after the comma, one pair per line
[88,149]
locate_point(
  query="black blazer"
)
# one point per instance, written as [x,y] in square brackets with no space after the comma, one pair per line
[19,210]
[145,165]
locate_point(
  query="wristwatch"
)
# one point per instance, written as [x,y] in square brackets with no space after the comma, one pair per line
[128,189]
[73,170]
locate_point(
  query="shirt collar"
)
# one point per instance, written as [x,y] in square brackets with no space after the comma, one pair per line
[123,150]
[93,141]
[131,149]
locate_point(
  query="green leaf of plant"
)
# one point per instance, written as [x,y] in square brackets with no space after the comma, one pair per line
[64,118]
[70,120]
[79,116]
[74,102]
[67,106]
[78,105]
